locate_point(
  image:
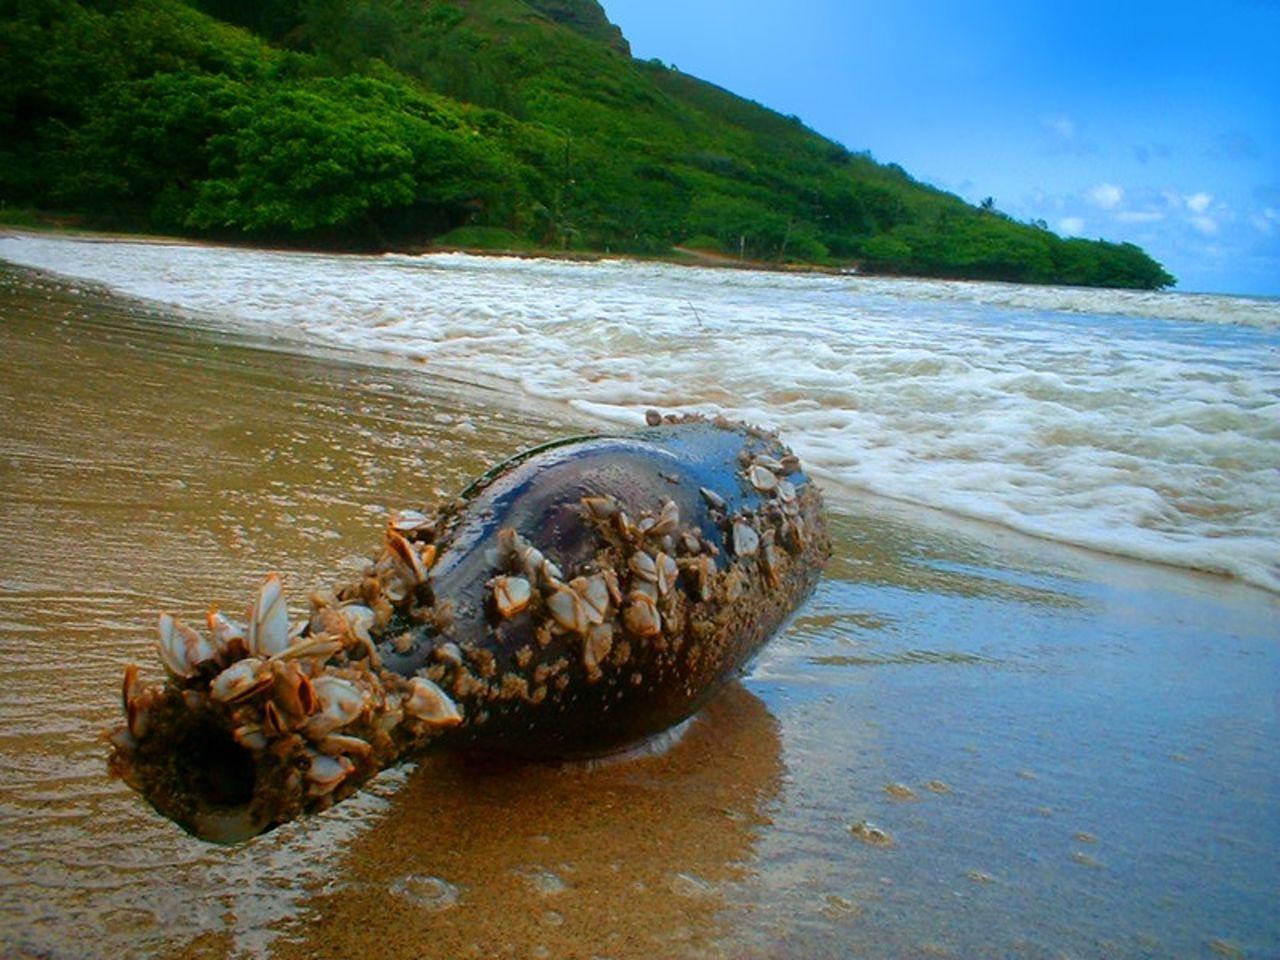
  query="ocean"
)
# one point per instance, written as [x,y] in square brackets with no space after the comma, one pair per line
[1141,424]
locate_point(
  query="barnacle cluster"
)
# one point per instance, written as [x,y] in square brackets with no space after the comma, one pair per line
[262,720]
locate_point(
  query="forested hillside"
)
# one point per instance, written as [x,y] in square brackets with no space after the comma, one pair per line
[501,123]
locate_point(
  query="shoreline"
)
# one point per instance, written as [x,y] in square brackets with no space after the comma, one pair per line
[689,258]
[680,257]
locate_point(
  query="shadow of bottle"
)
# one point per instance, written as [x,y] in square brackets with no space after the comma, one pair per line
[623,858]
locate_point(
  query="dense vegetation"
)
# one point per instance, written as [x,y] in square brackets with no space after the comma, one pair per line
[509,123]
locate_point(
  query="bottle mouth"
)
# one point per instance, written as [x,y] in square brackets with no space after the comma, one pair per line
[218,776]
[214,768]
[198,776]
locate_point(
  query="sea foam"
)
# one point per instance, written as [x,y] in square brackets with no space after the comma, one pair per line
[1136,423]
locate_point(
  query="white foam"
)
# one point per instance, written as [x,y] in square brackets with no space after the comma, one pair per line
[1140,424]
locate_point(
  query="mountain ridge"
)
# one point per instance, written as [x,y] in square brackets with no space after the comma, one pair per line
[588,18]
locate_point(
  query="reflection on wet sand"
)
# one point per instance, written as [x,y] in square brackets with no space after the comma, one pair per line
[888,551]
[620,859]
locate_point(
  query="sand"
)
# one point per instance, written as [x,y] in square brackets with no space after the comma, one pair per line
[970,743]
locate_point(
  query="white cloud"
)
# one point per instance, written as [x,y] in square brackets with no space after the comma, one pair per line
[1072,226]
[1267,220]
[1061,126]
[1105,195]
[1199,202]
[1206,225]
[1063,136]
[1140,216]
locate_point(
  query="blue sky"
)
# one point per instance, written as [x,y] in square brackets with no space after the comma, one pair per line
[1153,123]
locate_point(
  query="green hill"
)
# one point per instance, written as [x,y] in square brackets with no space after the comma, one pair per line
[511,123]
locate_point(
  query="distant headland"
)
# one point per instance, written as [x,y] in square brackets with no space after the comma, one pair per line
[514,125]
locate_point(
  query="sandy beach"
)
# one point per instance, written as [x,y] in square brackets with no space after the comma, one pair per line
[971,743]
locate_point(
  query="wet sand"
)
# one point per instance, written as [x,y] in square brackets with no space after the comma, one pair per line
[970,743]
